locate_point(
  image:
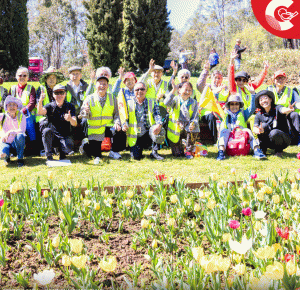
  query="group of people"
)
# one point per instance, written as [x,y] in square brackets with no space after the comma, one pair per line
[139,114]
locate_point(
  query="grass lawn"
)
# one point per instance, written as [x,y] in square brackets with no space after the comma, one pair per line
[129,172]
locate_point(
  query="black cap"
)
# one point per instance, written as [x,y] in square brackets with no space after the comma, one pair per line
[261,93]
[242,74]
[102,78]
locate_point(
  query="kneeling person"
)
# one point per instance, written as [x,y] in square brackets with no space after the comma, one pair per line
[183,120]
[60,117]
[236,117]
[13,127]
[143,113]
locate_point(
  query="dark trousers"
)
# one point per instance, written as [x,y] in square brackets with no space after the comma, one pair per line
[49,135]
[275,139]
[211,120]
[212,66]
[143,142]
[177,148]
[93,148]
[294,126]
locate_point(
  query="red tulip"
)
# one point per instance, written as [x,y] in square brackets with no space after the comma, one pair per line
[253,176]
[234,224]
[247,211]
[160,177]
[1,202]
[298,155]
[288,257]
[284,234]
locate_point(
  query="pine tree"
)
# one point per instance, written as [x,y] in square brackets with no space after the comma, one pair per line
[147,33]
[14,36]
[19,36]
[104,32]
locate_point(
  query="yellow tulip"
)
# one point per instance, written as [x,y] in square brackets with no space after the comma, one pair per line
[109,265]
[61,215]
[79,262]
[276,198]
[127,202]
[240,269]
[130,193]
[154,244]
[173,198]
[97,206]
[55,241]
[198,253]
[66,261]
[45,193]
[211,204]
[76,245]
[145,223]
[50,174]
[187,202]
[197,207]
[149,193]
[226,237]
[171,222]
[291,268]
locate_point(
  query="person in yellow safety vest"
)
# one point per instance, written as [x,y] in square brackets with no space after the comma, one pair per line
[106,72]
[286,96]
[12,126]
[238,83]
[236,117]
[144,125]
[101,111]
[3,94]
[24,91]
[156,87]
[183,120]
[60,116]
[297,89]
[76,88]
[221,92]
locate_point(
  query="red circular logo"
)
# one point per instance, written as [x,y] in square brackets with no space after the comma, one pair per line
[279,17]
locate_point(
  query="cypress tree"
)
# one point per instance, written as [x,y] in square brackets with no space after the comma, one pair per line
[19,36]
[14,35]
[147,33]
[104,32]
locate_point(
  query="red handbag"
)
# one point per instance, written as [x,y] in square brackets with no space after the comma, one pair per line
[106,144]
[238,143]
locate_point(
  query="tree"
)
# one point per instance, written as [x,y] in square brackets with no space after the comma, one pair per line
[147,33]
[104,32]
[14,36]
[52,22]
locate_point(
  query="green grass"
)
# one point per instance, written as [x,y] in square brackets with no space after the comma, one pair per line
[127,172]
[130,172]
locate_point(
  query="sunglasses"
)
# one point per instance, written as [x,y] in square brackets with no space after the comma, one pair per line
[185,77]
[59,93]
[24,76]
[139,89]
[241,80]
[234,104]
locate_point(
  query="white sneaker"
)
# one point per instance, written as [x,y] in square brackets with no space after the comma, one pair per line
[114,155]
[97,160]
[42,153]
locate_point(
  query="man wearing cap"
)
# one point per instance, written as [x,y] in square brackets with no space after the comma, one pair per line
[238,83]
[286,96]
[101,111]
[144,124]
[60,117]
[105,71]
[270,124]
[156,87]
[76,88]
[13,127]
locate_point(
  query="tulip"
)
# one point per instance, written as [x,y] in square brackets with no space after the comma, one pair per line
[247,211]
[55,241]
[241,248]
[160,177]
[187,202]
[149,193]
[240,269]
[145,223]
[66,261]
[130,193]
[259,214]
[226,237]
[211,204]
[45,277]
[173,198]
[50,174]
[253,176]
[154,244]
[61,215]
[233,171]
[276,198]
[109,265]
[291,268]
[127,202]
[76,245]
[149,212]
[234,224]
[97,206]
[298,155]
[171,222]
[87,202]
[197,207]
[1,202]
[79,262]
[201,194]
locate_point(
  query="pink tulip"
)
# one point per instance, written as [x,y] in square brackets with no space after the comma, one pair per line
[298,170]
[298,155]
[247,211]
[1,202]
[253,176]
[234,224]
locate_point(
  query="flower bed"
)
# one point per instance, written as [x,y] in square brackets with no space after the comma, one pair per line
[158,236]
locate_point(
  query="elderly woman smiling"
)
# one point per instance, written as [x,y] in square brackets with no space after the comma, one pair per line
[24,91]
[13,126]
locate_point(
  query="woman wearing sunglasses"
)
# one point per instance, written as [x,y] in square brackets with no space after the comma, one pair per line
[239,82]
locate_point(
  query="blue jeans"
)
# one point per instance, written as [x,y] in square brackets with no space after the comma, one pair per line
[237,63]
[18,144]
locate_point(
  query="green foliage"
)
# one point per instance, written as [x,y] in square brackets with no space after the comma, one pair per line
[104,32]
[14,36]
[146,34]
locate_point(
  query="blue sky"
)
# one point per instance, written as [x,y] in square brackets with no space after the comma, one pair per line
[181,11]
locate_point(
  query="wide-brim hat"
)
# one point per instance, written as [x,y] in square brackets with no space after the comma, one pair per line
[261,93]
[242,74]
[234,98]
[59,77]
[159,138]
[10,99]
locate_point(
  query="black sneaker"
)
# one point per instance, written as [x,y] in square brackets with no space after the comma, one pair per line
[62,156]
[49,157]
[20,162]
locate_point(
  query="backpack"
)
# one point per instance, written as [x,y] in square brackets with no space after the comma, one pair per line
[238,143]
